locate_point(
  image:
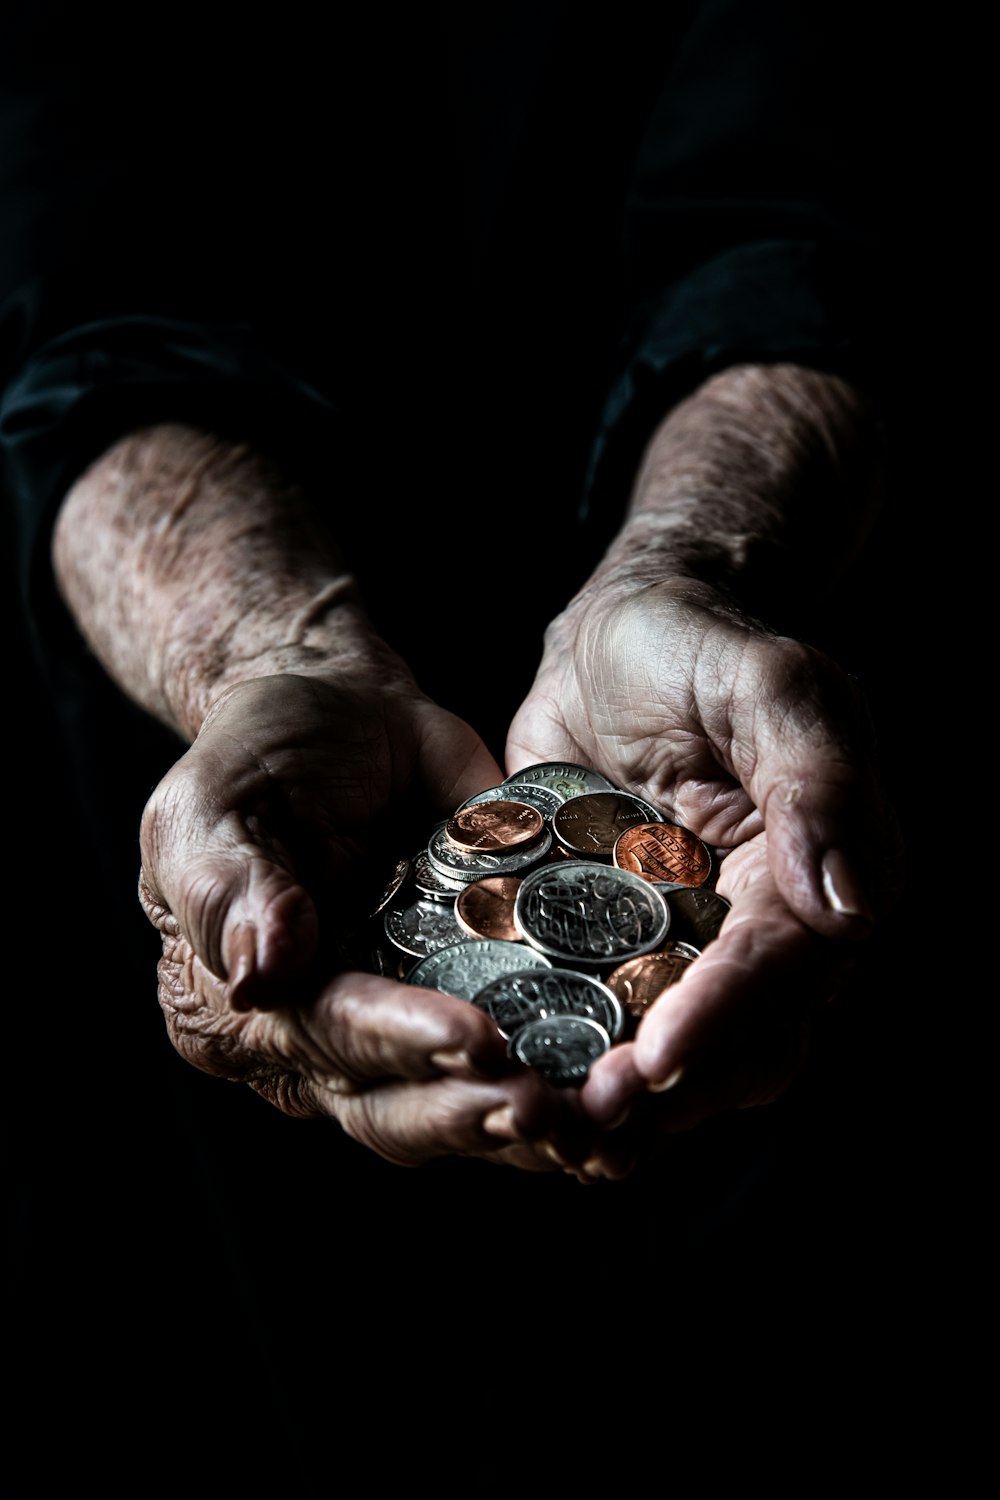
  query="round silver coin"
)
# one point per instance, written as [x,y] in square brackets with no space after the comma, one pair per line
[527,994]
[461,864]
[580,912]
[423,926]
[561,1048]
[430,882]
[465,968]
[564,778]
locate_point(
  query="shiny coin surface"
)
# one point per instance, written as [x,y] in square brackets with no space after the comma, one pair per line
[581,912]
[430,882]
[423,926]
[564,778]
[592,823]
[534,794]
[494,826]
[664,852]
[561,1048]
[466,968]
[401,873]
[639,981]
[696,914]
[465,864]
[516,998]
[485,908]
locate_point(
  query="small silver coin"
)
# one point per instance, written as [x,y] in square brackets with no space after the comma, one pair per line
[423,926]
[465,865]
[527,994]
[561,1048]
[465,968]
[579,912]
[430,882]
[564,778]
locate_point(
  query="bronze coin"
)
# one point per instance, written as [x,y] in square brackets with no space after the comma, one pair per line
[591,823]
[696,914]
[639,981]
[664,852]
[494,825]
[485,908]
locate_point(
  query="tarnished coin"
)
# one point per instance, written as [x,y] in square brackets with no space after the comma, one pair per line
[639,981]
[534,794]
[401,873]
[465,968]
[564,778]
[466,865]
[526,995]
[592,823]
[664,852]
[696,914]
[494,826]
[485,908]
[423,926]
[561,1048]
[581,912]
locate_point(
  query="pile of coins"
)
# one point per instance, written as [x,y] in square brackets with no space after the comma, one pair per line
[557,903]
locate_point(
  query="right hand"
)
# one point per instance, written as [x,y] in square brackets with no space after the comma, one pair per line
[253,847]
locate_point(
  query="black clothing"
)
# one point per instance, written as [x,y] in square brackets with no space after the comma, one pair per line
[449,264]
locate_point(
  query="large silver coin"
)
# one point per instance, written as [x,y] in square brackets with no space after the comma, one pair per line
[564,778]
[462,864]
[423,926]
[465,968]
[579,912]
[561,1048]
[534,794]
[527,994]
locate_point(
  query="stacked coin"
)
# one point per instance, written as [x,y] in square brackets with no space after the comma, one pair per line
[559,904]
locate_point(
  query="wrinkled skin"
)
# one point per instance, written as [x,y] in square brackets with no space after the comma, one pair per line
[253,842]
[764,748]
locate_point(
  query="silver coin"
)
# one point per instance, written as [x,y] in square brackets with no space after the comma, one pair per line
[430,882]
[525,995]
[465,968]
[534,794]
[564,778]
[580,912]
[423,926]
[561,1048]
[466,865]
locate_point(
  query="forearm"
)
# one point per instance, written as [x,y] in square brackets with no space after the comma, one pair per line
[189,565]
[764,484]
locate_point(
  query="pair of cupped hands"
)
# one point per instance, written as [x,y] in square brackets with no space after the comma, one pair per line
[259,838]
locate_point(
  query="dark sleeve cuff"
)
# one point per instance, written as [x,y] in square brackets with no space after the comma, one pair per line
[767,302]
[85,389]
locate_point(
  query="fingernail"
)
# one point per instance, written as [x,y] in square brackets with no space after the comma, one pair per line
[670,1082]
[500,1122]
[842,888]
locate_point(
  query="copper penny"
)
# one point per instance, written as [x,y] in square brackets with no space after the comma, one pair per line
[494,825]
[663,852]
[486,908]
[639,981]
[591,824]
